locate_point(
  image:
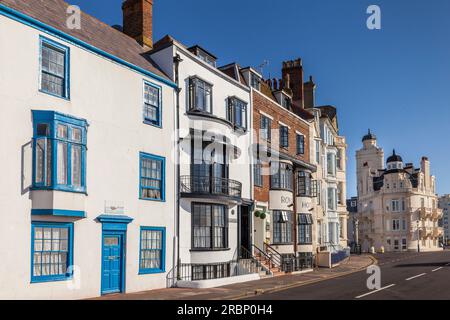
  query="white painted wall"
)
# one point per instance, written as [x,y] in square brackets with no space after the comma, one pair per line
[109,97]
[239,168]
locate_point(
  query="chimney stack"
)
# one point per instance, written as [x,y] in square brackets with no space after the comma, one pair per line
[295,70]
[310,92]
[425,167]
[138,21]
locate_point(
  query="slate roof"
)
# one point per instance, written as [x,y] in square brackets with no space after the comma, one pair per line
[93,31]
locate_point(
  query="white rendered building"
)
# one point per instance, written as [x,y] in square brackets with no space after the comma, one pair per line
[444,204]
[214,135]
[88,197]
[397,204]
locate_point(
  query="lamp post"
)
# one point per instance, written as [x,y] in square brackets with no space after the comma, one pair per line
[418,236]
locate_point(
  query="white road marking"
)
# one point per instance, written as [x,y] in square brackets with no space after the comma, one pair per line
[415,277]
[437,269]
[375,291]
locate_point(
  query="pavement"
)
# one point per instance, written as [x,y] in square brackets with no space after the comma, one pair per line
[252,289]
[404,276]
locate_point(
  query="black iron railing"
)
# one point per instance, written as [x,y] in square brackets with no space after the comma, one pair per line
[275,257]
[199,272]
[210,186]
[292,263]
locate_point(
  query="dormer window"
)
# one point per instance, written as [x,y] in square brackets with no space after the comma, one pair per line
[255,82]
[204,55]
[286,103]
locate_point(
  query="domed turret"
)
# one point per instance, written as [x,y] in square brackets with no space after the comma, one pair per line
[394,158]
[369,136]
[394,161]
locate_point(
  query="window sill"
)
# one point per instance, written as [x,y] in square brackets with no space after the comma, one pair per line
[147,272]
[52,279]
[210,250]
[61,189]
[283,244]
[305,244]
[152,200]
[54,95]
[281,189]
[150,123]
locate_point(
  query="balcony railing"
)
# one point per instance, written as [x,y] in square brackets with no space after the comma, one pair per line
[210,186]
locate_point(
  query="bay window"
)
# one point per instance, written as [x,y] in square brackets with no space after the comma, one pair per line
[237,113]
[306,187]
[332,199]
[305,222]
[282,227]
[281,176]
[200,95]
[331,164]
[59,152]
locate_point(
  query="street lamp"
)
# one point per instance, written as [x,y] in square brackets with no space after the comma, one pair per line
[418,236]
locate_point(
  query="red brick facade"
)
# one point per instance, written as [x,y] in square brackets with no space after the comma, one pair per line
[262,103]
[138,21]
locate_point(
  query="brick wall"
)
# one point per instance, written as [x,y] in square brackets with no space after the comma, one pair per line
[279,114]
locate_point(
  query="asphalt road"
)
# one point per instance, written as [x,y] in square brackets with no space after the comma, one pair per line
[404,276]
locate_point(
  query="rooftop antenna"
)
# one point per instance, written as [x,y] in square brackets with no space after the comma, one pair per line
[262,66]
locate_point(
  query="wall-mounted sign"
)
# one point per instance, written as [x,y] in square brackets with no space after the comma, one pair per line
[114,207]
[281,200]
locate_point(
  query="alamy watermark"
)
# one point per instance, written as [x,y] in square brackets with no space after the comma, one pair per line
[374,20]
[73,17]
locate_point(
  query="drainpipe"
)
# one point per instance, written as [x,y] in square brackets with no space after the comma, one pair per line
[177,60]
[295,213]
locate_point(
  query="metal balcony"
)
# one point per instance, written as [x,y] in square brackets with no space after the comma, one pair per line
[195,186]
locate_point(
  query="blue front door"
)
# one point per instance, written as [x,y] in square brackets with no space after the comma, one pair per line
[112,264]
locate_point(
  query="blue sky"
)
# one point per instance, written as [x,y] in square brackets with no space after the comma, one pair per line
[395,80]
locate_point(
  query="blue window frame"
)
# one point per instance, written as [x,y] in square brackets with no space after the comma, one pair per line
[284,136]
[54,68]
[152,177]
[51,251]
[152,104]
[59,152]
[300,144]
[152,255]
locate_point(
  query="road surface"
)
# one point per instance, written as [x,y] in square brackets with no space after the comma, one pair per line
[404,276]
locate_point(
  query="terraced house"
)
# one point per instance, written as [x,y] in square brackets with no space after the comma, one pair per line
[284,217]
[88,200]
[214,136]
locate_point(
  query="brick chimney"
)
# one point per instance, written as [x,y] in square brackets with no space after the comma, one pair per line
[295,70]
[310,91]
[138,21]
